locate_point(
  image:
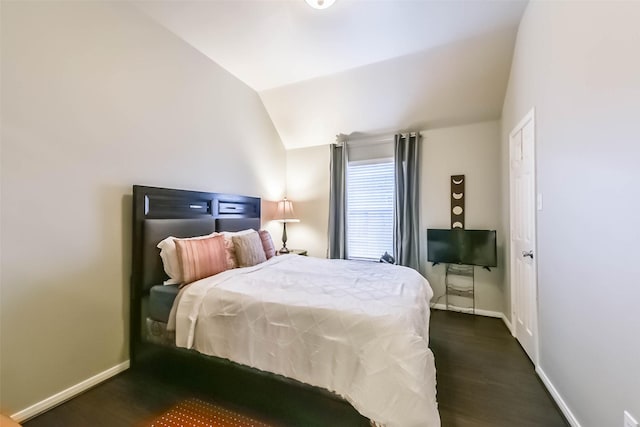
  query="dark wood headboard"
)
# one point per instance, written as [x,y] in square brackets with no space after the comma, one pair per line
[162,212]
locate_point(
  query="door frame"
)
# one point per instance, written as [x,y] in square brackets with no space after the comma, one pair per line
[529,117]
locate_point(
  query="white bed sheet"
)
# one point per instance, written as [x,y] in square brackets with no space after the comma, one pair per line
[357,329]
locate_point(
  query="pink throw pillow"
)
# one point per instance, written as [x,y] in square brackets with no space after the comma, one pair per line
[267,244]
[201,258]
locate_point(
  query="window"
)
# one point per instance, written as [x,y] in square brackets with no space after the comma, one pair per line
[370,200]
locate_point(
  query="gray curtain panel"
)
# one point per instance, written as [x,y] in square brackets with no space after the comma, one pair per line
[337,204]
[406,223]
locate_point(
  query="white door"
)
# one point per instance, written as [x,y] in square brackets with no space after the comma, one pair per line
[524,288]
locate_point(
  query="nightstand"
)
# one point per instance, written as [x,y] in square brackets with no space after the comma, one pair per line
[302,252]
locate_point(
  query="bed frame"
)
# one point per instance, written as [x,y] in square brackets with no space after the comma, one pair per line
[161,212]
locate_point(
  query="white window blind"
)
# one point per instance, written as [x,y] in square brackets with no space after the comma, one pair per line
[370,199]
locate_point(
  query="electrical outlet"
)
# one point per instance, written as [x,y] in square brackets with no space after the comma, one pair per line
[629,421]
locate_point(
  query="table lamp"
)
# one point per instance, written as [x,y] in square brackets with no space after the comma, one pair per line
[284,215]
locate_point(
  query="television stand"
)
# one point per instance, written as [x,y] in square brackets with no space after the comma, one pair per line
[460,288]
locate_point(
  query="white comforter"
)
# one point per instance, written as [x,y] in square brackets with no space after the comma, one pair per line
[357,329]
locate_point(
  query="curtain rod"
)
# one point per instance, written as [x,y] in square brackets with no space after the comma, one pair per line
[373,139]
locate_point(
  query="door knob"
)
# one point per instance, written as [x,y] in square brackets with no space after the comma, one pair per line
[527,254]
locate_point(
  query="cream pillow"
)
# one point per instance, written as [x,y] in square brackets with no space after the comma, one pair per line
[249,250]
[232,260]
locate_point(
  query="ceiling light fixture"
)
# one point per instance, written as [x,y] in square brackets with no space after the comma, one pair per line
[320,4]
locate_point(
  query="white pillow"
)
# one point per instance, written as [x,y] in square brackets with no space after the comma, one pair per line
[230,234]
[169,254]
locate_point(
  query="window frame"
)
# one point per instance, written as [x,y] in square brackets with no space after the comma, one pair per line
[373,161]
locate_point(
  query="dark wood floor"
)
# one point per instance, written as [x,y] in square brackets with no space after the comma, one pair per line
[484,376]
[484,379]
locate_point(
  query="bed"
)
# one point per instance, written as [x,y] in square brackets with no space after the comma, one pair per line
[350,337]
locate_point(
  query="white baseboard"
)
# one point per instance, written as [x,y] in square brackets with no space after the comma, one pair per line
[479,312]
[507,322]
[573,421]
[64,395]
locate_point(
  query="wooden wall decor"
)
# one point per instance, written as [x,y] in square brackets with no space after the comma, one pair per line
[457,201]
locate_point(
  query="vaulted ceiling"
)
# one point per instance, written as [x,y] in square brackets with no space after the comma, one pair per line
[364,66]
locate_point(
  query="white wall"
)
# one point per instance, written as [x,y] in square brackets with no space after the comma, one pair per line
[97,97]
[473,150]
[577,63]
[308,188]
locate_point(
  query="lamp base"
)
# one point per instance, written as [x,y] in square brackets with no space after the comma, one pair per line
[284,249]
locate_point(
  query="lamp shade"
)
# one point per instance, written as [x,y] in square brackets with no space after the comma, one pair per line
[285,211]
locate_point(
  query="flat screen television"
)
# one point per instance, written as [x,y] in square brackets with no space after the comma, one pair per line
[457,246]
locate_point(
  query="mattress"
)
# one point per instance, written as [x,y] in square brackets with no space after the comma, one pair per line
[161,299]
[357,329]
